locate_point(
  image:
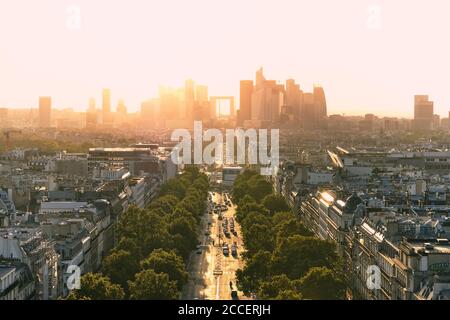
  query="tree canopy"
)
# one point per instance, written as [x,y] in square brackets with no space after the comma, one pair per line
[150,285]
[95,286]
[154,243]
[283,259]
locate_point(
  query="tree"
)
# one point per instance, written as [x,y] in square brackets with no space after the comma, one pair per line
[200,184]
[295,255]
[259,187]
[168,262]
[240,186]
[165,203]
[120,266]
[255,217]
[239,191]
[146,229]
[256,269]
[247,205]
[246,200]
[290,227]
[173,187]
[275,203]
[258,237]
[288,295]
[321,283]
[150,285]
[192,205]
[184,237]
[280,217]
[277,287]
[94,286]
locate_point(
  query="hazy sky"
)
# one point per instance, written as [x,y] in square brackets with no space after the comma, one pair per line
[366,62]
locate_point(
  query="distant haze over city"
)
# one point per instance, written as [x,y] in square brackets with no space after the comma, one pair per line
[370,57]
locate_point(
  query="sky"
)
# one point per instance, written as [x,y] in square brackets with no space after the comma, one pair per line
[370,56]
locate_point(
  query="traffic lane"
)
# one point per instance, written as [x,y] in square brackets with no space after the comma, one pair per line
[209,290]
[198,263]
[230,263]
[218,287]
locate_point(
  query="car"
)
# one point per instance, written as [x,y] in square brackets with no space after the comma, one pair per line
[198,250]
[207,233]
[234,295]
[233,251]
[226,250]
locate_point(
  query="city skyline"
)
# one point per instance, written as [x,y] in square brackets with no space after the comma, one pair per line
[104,104]
[364,65]
[119,105]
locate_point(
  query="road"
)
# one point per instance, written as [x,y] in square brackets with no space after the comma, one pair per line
[211,271]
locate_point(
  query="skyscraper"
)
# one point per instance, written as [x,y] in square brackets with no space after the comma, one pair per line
[308,115]
[320,102]
[121,108]
[267,99]
[106,108]
[202,108]
[245,101]
[423,113]
[293,97]
[201,93]
[45,112]
[91,115]
[189,99]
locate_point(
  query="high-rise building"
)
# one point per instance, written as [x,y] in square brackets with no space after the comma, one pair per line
[121,108]
[201,94]
[423,113]
[121,114]
[91,115]
[320,102]
[45,112]
[245,101]
[267,99]
[308,114]
[293,97]
[436,121]
[189,99]
[313,108]
[202,107]
[106,108]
